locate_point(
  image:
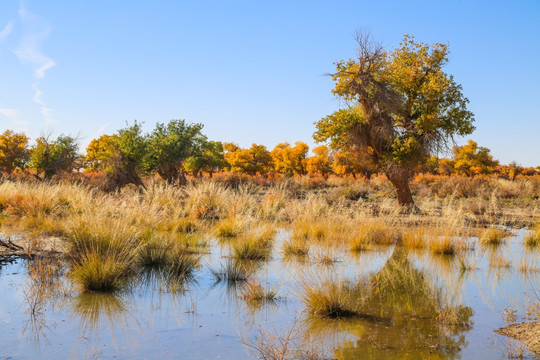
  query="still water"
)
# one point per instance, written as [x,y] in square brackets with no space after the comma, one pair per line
[205,319]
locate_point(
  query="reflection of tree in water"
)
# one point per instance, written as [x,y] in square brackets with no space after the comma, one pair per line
[403,316]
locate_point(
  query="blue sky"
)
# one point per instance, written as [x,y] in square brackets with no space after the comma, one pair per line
[252,71]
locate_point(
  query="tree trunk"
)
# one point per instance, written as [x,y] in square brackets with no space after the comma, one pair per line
[120,176]
[169,174]
[400,177]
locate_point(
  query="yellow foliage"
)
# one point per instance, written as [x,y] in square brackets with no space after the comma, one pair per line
[321,162]
[13,151]
[256,159]
[470,159]
[290,160]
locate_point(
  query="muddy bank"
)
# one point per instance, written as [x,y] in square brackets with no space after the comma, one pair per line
[24,247]
[528,333]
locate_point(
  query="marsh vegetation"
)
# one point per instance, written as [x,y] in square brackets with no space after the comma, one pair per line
[357,277]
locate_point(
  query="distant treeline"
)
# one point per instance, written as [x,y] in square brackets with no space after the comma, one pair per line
[177,148]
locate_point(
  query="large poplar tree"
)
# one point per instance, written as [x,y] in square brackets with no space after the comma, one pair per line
[401,107]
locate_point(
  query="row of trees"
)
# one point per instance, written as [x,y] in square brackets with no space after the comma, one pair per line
[401,110]
[173,149]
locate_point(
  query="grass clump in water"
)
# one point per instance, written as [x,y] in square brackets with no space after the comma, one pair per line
[229,228]
[254,292]
[154,254]
[532,239]
[186,226]
[492,236]
[295,247]
[231,273]
[182,265]
[414,239]
[328,298]
[252,250]
[95,271]
[255,246]
[372,234]
[443,245]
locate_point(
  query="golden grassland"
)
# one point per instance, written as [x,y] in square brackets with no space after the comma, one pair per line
[110,236]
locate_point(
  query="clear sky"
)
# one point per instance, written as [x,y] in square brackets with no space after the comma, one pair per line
[252,71]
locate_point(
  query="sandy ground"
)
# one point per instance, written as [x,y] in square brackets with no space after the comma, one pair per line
[31,246]
[528,333]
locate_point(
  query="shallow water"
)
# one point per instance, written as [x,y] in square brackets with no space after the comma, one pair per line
[209,320]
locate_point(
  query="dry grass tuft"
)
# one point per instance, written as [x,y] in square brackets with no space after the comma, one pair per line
[493,236]
[229,228]
[96,271]
[328,298]
[414,239]
[532,239]
[295,247]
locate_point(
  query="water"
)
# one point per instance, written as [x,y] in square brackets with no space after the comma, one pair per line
[209,320]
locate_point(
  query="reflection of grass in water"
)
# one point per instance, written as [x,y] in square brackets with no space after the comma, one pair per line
[44,286]
[397,289]
[99,312]
[284,346]
[91,308]
[528,266]
[168,262]
[231,273]
[256,296]
[395,311]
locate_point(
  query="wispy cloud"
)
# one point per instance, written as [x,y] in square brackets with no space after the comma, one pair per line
[29,52]
[13,116]
[9,113]
[6,30]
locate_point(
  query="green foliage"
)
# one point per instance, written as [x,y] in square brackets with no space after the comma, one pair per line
[172,144]
[121,156]
[54,156]
[210,159]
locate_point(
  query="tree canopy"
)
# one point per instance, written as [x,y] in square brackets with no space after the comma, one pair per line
[290,160]
[169,146]
[54,156]
[120,156]
[13,151]
[471,159]
[209,159]
[402,107]
[256,159]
